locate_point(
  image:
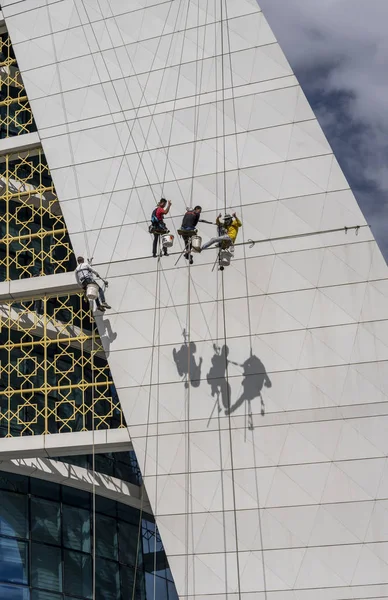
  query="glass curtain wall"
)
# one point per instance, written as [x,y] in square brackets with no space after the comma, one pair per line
[46,546]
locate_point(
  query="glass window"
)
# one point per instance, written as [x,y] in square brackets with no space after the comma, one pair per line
[172,593]
[39,595]
[45,489]
[78,574]
[14,482]
[13,561]
[129,542]
[46,567]
[107,580]
[151,539]
[129,514]
[106,506]
[127,579]
[75,497]
[45,521]
[156,587]
[13,514]
[14,592]
[76,528]
[106,537]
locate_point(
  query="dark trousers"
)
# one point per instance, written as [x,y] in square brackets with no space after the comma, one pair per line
[155,244]
[101,296]
[187,239]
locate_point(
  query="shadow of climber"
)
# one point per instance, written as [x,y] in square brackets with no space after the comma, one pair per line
[186,364]
[217,378]
[255,377]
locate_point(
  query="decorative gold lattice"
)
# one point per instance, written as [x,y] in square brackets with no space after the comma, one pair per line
[15,112]
[33,237]
[54,376]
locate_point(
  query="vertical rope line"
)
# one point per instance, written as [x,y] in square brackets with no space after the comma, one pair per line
[176,98]
[124,157]
[74,170]
[143,492]
[137,120]
[218,281]
[93,464]
[224,313]
[166,151]
[187,419]
[188,502]
[157,419]
[223,100]
[247,292]
[238,166]
[143,88]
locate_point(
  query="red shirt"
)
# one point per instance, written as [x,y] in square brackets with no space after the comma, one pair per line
[159,213]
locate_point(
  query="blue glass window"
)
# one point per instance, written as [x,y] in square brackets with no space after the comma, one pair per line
[13,561]
[46,567]
[45,489]
[156,587]
[107,580]
[57,563]
[14,592]
[129,542]
[127,578]
[106,537]
[13,514]
[40,595]
[78,574]
[46,521]
[76,528]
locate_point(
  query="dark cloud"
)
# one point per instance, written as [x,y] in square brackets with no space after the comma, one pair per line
[339,51]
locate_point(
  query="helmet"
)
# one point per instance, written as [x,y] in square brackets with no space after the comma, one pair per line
[228,219]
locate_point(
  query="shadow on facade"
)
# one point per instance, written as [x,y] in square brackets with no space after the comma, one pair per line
[255,377]
[186,364]
[107,335]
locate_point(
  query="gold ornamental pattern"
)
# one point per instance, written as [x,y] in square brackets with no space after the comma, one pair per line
[54,376]
[33,236]
[15,113]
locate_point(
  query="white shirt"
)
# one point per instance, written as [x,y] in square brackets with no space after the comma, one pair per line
[84,271]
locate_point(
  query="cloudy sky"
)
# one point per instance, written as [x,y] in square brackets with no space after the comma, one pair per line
[339,51]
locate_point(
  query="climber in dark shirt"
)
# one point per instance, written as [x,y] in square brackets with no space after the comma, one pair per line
[191,218]
[189,224]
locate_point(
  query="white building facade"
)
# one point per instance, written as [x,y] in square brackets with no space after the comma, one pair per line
[254,398]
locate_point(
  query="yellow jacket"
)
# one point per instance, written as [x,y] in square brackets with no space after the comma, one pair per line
[232,230]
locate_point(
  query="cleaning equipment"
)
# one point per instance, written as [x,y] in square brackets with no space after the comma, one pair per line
[225,256]
[167,240]
[196,243]
[92,291]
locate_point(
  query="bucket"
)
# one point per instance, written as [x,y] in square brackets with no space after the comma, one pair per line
[225,258]
[196,243]
[167,240]
[92,291]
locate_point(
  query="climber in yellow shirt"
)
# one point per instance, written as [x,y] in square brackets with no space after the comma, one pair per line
[228,230]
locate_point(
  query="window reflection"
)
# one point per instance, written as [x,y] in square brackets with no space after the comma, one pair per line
[50,528]
[13,561]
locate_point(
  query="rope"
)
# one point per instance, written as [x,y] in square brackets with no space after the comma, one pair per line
[136,120]
[78,190]
[143,493]
[247,297]
[175,101]
[157,418]
[94,470]
[223,294]
[189,508]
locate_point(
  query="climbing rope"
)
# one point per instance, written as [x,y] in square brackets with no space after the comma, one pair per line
[130,130]
[156,322]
